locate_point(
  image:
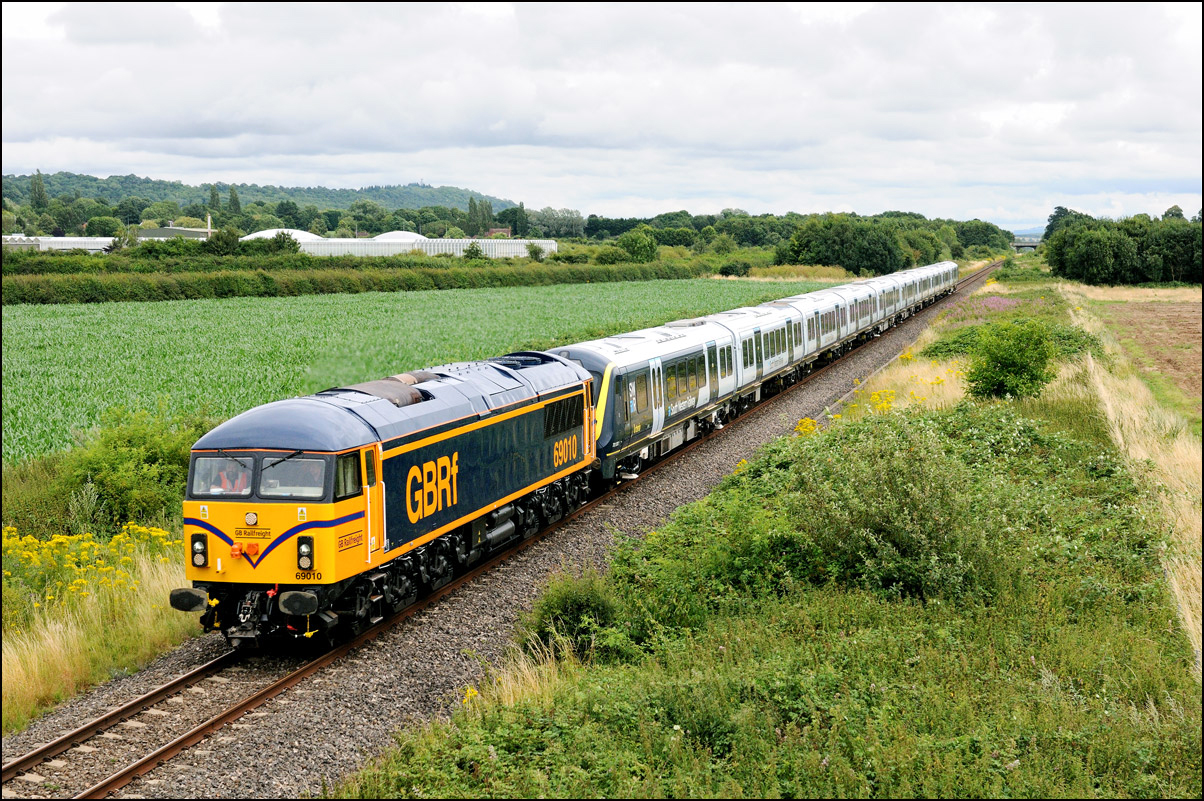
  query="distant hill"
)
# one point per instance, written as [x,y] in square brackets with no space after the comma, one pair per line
[116,187]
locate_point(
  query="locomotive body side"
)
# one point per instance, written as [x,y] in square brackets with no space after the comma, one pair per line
[398,497]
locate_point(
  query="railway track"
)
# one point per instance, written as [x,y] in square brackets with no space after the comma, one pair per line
[23,766]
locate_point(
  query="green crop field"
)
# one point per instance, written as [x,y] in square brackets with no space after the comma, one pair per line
[65,365]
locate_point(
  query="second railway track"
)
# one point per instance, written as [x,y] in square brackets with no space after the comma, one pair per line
[71,767]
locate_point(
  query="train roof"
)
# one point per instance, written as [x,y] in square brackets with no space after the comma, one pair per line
[340,418]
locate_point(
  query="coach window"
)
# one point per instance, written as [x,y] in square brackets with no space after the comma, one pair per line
[692,369]
[670,382]
[682,380]
[641,393]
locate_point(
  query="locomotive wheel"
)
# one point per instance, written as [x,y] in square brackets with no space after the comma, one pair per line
[439,568]
[405,590]
[532,520]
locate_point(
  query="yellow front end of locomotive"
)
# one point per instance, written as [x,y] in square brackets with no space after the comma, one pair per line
[276,543]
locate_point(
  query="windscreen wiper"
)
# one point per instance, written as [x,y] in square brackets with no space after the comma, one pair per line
[285,459]
[232,458]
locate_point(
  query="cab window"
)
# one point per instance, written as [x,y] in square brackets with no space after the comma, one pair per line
[293,477]
[222,476]
[347,482]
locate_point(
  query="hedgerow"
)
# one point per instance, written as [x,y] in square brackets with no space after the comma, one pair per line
[102,287]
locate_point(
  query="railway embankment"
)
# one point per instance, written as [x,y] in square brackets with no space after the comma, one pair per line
[917,596]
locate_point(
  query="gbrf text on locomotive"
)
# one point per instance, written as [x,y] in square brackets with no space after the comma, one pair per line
[432,487]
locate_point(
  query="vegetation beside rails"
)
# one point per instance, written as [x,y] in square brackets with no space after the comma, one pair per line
[1162,434]
[85,594]
[1098,395]
[963,324]
[99,288]
[955,602]
[80,608]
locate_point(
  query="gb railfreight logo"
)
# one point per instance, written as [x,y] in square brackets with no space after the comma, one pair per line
[432,487]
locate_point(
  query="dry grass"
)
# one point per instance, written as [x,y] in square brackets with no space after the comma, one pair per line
[1124,294]
[908,382]
[66,649]
[800,272]
[973,267]
[1146,430]
[526,677]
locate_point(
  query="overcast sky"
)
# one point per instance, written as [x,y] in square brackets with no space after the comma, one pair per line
[963,111]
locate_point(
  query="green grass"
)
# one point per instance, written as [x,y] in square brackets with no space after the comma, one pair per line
[753,650]
[64,366]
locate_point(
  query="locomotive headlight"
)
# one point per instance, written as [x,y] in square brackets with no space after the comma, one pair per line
[305,553]
[200,550]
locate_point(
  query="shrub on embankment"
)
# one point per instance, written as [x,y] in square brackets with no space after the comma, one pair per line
[103,287]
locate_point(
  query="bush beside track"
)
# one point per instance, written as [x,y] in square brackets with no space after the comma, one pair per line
[104,287]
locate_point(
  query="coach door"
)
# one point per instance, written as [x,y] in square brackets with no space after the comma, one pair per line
[757,342]
[374,504]
[713,374]
[658,395]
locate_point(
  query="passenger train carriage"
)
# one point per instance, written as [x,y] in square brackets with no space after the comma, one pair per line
[327,512]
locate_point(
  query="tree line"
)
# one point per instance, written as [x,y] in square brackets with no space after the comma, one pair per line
[877,244]
[37,213]
[1135,250]
[16,189]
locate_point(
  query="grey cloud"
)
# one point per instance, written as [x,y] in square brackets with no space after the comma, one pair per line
[636,102]
[161,24]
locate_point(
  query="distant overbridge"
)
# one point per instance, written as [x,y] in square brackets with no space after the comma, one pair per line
[1023,243]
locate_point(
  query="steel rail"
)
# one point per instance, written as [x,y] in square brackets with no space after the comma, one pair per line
[115,716]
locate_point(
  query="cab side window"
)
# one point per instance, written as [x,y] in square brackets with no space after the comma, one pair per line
[347,482]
